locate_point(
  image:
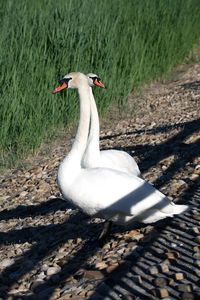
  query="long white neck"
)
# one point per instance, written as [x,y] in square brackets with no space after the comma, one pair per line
[80,141]
[93,139]
[71,166]
[73,160]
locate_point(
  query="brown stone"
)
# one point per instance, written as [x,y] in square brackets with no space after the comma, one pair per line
[196,217]
[160,281]
[185,287]
[82,293]
[172,255]
[179,276]
[89,293]
[163,268]
[161,293]
[112,268]
[90,274]
[101,265]
[132,233]
[153,270]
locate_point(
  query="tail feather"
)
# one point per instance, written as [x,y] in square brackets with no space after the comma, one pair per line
[179,209]
[154,215]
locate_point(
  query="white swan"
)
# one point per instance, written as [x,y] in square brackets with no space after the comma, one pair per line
[93,157]
[103,192]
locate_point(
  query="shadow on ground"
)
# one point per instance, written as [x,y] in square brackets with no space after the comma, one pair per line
[46,239]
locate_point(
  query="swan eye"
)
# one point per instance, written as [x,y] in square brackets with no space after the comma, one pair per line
[95,78]
[65,80]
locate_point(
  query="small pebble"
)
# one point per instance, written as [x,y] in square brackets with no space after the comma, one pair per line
[188,296]
[53,270]
[161,293]
[196,255]
[195,230]
[44,267]
[183,225]
[121,251]
[41,275]
[196,217]
[90,274]
[101,265]
[166,262]
[136,278]
[137,237]
[185,287]
[89,293]
[164,268]
[23,194]
[197,262]
[197,272]
[179,276]
[160,281]
[153,270]
[37,284]
[196,248]
[111,268]
[197,239]
[172,255]
[194,177]
[7,262]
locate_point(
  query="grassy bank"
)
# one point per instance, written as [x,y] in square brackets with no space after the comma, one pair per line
[126,42]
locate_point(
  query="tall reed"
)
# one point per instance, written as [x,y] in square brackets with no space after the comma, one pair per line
[126,42]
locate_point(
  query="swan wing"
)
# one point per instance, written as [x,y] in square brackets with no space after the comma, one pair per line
[119,160]
[107,193]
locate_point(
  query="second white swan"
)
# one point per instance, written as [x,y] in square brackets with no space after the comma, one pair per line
[93,157]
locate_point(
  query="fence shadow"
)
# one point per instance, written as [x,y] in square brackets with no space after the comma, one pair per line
[134,278]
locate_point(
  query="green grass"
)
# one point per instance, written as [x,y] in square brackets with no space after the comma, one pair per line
[127,43]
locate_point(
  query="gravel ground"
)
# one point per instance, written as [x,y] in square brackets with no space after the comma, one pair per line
[48,249]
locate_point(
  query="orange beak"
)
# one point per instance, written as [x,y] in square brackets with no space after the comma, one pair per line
[61,87]
[99,83]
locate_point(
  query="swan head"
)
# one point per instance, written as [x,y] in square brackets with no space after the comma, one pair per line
[94,79]
[72,80]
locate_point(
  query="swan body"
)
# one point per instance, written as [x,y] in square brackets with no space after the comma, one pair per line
[119,197]
[93,157]
[107,193]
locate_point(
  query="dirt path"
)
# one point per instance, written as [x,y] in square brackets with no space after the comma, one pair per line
[48,249]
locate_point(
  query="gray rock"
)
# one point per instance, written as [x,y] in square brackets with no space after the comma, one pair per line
[41,275]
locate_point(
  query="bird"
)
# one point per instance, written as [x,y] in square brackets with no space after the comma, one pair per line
[93,157]
[115,196]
